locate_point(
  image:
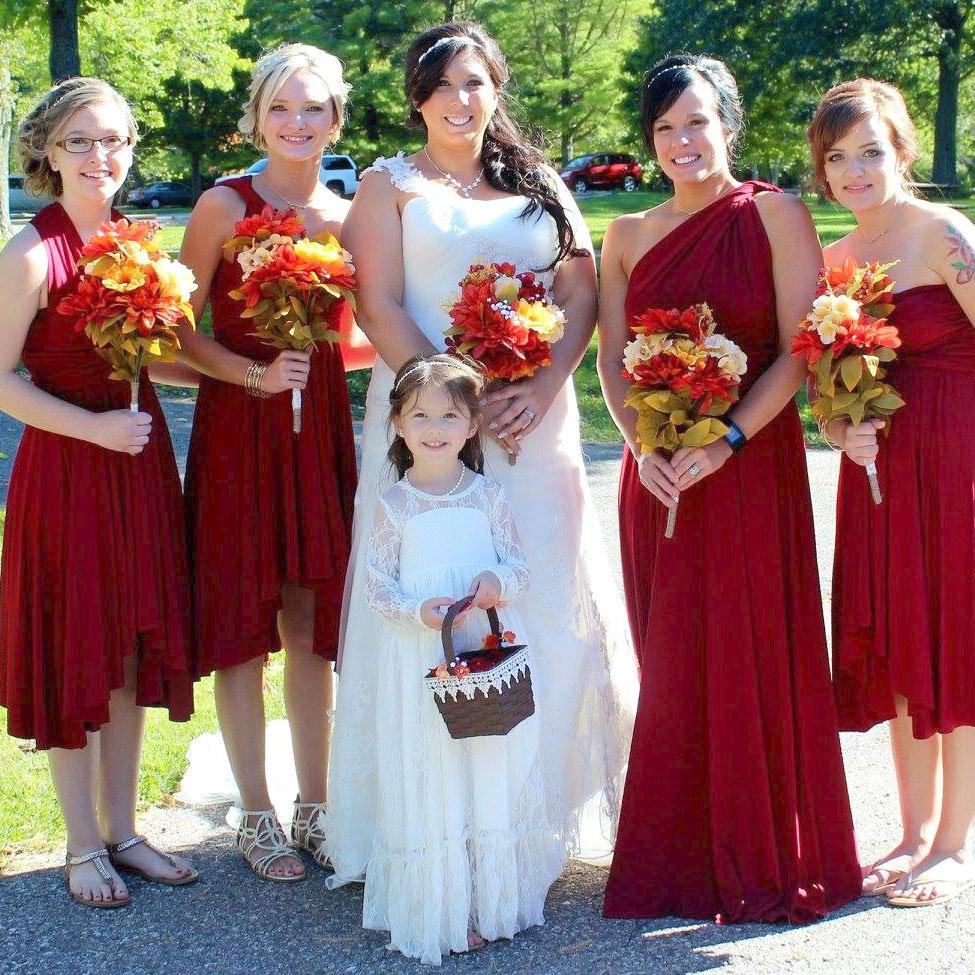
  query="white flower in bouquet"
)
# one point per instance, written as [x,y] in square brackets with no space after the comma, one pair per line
[731,360]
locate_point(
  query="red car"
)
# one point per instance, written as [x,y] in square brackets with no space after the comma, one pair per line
[603,170]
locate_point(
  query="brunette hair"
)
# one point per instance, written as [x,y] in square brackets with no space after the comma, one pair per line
[511,163]
[464,384]
[46,122]
[850,103]
[668,79]
[274,69]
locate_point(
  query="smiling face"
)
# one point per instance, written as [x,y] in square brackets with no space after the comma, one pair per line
[300,121]
[96,175]
[689,141]
[434,426]
[459,109]
[862,168]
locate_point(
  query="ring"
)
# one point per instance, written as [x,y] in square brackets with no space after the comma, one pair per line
[528,413]
[693,470]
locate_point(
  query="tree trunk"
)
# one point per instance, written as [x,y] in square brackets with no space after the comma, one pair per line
[65,59]
[196,180]
[6,131]
[949,17]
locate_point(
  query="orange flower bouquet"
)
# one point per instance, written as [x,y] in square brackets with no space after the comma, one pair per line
[505,321]
[130,299]
[291,283]
[846,342]
[684,375]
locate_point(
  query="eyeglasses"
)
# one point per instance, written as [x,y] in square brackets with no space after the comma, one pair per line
[80,144]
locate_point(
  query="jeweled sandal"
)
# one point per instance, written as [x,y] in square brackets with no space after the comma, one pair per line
[96,857]
[114,849]
[261,841]
[308,830]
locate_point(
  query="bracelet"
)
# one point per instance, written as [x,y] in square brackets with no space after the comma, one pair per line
[735,437]
[826,436]
[252,380]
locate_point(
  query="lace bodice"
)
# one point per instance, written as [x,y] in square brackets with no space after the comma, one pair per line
[416,536]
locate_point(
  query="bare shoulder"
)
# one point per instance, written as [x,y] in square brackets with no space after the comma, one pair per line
[781,208]
[24,260]
[938,220]
[220,207]
[623,229]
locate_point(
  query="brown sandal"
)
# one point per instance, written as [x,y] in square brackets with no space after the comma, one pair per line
[114,849]
[96,857]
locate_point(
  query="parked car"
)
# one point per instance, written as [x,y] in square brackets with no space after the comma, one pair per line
[339,173]
[161,194]
[20,202]
[603,170]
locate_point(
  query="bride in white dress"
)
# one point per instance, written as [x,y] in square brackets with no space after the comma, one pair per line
[416,226]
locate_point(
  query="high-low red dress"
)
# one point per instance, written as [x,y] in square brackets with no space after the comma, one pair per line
[266,506]
[904,571]
[94,557]
[735,802]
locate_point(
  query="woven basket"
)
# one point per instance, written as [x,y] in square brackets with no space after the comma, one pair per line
[470,706]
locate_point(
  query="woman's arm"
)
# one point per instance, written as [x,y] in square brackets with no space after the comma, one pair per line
[23,276]
[951,241]
[174,374]
[796,261]
[373,234]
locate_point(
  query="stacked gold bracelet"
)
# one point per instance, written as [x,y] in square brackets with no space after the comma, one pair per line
[826,437]
[252,379]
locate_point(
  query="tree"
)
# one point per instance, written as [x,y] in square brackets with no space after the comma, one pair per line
[6,129]
[65,59]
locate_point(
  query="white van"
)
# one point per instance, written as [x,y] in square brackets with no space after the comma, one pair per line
[339,173]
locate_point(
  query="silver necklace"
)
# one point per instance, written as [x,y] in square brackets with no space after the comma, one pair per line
[463,188]
[690,213]
[446,494]
[293,204]
[886,229]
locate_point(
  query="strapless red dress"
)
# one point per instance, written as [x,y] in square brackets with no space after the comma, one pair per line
[735,803]
[904,571]
[266,506]
[94,557]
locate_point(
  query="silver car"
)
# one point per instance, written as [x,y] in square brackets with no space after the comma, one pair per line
[20,202]
[339,173]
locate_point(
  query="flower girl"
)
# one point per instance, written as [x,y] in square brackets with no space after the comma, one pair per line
[464,852]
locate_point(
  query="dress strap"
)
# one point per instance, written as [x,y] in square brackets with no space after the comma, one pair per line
[402,173]
[243,186]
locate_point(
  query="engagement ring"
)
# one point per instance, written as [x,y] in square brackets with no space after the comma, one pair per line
[694,470]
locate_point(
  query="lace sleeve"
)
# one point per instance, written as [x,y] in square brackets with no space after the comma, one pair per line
[512,568]
[383,593]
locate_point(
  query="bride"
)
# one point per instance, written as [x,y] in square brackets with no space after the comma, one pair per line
[477,192]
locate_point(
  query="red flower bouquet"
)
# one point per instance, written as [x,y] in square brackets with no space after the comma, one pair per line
[845,342]
[291,283]
[683,375]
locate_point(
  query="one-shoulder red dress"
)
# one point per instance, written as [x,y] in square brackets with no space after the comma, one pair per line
[904,571]
[266,506]
[735,803]
[94,557]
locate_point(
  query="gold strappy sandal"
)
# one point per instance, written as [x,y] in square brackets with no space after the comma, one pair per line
[114,849]
[97,857]
[308,830]
[261,841]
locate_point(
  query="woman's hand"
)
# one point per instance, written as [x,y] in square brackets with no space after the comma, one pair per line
[288,371]
[515,409]
[658,477]
[693,464]
[859,441]
[121,430]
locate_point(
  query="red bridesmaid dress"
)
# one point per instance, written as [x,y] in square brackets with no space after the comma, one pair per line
[735,803]
[904,571]
[94,559]
[266,506]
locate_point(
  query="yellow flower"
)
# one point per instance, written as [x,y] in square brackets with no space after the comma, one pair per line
[124,276]
[689,352]
[175,279]
[547,320]
[507,288]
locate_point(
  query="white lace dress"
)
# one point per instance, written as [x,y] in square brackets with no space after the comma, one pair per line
[584,672]
[462,840]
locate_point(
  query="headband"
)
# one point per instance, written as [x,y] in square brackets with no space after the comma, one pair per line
[416,367]
[436,45]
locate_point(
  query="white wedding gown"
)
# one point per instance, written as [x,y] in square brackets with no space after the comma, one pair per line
[583,668]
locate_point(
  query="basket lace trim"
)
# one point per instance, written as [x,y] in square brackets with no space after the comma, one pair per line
[500,677]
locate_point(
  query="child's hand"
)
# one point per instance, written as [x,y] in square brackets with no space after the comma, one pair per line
[485,591]
[430,611]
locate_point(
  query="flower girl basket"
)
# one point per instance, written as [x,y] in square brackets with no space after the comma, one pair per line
[482,702]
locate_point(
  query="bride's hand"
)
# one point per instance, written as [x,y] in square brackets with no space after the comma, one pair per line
[524,404]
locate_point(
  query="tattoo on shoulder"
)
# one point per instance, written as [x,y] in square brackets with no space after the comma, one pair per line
[961,256]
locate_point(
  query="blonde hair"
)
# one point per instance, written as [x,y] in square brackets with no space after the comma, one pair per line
[275,68]
[850,103]
[48,120]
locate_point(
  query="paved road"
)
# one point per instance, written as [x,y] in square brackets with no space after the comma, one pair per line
[233,924]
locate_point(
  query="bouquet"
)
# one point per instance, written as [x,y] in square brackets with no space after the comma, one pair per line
[505,321]
[130,299]
[846,341]
[291,283]
[684,375]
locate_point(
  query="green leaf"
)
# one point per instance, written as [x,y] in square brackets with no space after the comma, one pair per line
[851,369]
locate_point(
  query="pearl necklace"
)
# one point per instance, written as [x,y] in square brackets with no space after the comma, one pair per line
[292,204]
[464,189]
[446,494]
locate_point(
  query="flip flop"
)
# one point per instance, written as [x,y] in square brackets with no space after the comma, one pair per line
[114,849]
[956,889]
[894,877]
[95,857]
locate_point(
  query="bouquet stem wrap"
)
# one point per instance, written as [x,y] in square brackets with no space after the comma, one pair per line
[671,521]
[296,410]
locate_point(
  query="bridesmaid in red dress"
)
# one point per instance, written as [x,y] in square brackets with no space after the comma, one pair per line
[735,803]
[270,511]
[94,599]
[904,571]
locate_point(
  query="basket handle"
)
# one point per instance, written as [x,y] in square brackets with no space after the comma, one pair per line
[447,630]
